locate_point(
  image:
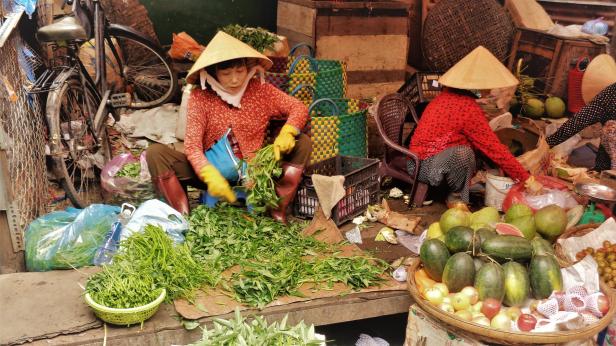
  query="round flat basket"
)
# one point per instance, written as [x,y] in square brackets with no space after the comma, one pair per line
[126,317]
[576,231]
[491,335]
[453,28]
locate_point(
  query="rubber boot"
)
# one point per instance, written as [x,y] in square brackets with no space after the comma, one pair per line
[168,185]
[286,187]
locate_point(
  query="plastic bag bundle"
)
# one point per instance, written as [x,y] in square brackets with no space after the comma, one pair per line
[155,212]
[592,304]
[548,307]
[132,190]
[185,47]
[367,340]
[67,239]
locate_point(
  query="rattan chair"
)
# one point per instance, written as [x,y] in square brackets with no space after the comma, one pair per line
[390,117]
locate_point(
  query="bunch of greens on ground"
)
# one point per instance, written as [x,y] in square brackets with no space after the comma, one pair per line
[130,170]
[152,257]
[120,286]
[239,331]
[258,38]
[274,259]
[261,172]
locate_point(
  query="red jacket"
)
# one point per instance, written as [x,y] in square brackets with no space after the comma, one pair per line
[451,120]
[209,117]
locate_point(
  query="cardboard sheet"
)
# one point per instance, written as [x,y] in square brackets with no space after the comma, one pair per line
[215,302]
[50,314]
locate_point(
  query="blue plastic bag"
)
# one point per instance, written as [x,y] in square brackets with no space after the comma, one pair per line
[28,5]
[223,157]
[69,238]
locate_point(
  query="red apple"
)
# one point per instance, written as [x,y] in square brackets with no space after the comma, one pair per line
[603,304]
[527,322]
[490,307]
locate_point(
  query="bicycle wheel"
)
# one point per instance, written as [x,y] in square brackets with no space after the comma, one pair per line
[148,75]
[78,154]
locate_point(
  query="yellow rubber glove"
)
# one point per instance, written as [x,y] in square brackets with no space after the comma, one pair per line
[284,143]
[533,186]
[217,185]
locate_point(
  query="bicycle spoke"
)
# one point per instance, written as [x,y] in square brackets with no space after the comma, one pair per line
[147,74]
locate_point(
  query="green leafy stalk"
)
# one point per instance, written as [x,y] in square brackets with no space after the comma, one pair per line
[274,259]
[121,286]
[258,38]
[262,170]
[130,170]
[152,257]
[239,331]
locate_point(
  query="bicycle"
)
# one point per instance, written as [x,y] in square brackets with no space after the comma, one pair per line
[78,105]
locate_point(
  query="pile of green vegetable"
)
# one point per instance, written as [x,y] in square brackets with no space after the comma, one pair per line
[238,331]
[149,256]
[261,172]
[130,170]
[258,38]
[274,259]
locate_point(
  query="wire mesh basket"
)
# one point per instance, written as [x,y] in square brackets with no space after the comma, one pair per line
[361,183]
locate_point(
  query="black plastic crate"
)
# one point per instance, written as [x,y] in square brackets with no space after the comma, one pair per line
[421,87]
[361,183]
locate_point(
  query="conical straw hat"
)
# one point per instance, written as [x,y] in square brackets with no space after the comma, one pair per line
[225,47]
[479,70]
[600,73]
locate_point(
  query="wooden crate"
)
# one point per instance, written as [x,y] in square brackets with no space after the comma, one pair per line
[370,36]
[550,57]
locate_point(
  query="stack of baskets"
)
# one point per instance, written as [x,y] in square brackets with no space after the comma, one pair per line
[338,125]
[308,78]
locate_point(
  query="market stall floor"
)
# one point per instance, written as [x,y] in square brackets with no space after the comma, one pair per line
[53,313]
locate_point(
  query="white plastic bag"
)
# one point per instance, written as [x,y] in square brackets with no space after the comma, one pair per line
[155,212]
[564,199]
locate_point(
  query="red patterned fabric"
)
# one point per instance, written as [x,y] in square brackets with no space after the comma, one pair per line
[452,120]
[209,117]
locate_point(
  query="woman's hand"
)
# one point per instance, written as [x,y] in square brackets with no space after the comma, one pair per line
[217,185]
[285,142]
[533,186]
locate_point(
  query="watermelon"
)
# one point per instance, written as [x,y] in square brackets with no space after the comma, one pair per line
[434,255]
[490,282]
[505,247]
[459,272]
[508,229]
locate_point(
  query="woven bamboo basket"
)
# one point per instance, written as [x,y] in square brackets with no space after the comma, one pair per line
[576,231]
[491,335]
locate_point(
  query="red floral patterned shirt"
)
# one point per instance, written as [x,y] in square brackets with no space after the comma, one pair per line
[209,117]
[452,120]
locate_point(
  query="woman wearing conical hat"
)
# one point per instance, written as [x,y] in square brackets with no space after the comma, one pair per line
[599,92]
[230,108]
[453,126]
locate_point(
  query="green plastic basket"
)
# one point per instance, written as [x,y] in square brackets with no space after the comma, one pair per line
[126,317]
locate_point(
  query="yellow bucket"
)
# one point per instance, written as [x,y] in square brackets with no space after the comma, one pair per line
[496,190]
